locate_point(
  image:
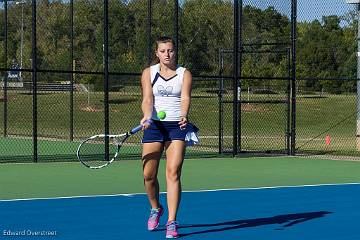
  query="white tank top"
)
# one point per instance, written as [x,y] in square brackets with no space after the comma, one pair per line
[167,93]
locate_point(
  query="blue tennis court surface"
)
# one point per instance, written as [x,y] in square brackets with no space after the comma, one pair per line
[330,212]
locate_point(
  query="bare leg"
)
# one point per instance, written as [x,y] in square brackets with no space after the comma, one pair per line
[151,158]
[175,151]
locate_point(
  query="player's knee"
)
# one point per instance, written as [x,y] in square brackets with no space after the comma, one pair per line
[149,177]
[173,175]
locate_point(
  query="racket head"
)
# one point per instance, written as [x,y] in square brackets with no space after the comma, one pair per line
[92,151]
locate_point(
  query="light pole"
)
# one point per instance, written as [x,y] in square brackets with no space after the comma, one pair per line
[357,2]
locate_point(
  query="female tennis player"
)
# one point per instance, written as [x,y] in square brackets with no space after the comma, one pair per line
[165,87]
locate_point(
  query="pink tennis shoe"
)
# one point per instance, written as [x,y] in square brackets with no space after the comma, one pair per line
[171,229]
[154,218]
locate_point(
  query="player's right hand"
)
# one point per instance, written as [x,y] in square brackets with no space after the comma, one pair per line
[144,122]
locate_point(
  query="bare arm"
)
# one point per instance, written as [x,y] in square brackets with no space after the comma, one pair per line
[147,95]
[185,98]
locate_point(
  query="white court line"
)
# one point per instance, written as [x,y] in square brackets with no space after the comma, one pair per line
[193,191]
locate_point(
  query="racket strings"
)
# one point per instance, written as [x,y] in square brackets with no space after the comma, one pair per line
[93,152]
[118,140]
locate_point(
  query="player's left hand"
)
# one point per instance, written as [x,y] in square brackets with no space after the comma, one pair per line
[183,122]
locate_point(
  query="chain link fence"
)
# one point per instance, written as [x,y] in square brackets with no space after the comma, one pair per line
[326,78]
[69,101]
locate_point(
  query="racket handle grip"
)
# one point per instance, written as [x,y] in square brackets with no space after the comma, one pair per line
[139,127]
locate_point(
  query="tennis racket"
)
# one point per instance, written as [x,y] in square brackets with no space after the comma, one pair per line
[91,151]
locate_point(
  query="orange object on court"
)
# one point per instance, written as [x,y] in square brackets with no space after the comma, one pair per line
[327,140]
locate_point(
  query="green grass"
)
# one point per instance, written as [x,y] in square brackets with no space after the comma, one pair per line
[21,150]
[263,125]
[72,179]
[18,146]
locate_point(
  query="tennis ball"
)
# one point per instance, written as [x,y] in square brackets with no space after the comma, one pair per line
[161,115]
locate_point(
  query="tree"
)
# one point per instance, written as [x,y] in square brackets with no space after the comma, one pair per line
[323,50]
[206,27]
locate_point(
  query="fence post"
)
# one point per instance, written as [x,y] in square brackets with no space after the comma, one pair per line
[293,76]
[149,23]
[34,81]
[176,28]
[106,76]
[72,67]
[357,81]
[235,75]
[6,73]
[288,104]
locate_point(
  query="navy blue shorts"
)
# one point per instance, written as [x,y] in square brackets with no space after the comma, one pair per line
[163,131]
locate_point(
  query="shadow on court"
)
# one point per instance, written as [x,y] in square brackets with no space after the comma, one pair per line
[286,220]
